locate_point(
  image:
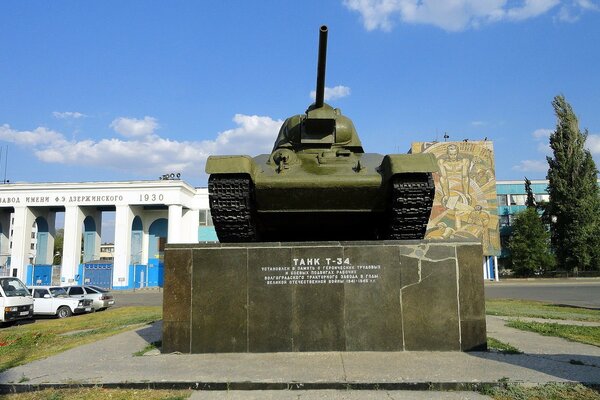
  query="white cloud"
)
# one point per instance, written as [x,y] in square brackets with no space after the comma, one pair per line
[593,144]
[68,115]
[38,137]
[146,153]
[457,15]
[572,11]
[478,123]
[542,137]
[531,166]
[132,127]
[530,9]
[587,5]
[333,93]
[542,133]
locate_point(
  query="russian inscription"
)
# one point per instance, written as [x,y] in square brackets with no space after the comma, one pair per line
[321,271]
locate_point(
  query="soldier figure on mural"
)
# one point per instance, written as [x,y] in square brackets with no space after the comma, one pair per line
[455,182]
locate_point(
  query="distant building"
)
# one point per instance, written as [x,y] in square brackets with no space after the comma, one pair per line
[107,251]
[511,197]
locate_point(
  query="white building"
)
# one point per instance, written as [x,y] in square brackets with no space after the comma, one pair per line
[148,214]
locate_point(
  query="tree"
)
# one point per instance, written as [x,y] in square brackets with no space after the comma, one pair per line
[58,246]
[530,202]
[574,204]
[529,244]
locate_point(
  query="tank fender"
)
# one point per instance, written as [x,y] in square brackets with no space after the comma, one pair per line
[393,164]
[230,165]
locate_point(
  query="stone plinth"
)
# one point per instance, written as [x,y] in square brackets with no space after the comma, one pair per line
[324,296]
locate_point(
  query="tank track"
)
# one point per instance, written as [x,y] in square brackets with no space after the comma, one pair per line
[412,198]
[231,199]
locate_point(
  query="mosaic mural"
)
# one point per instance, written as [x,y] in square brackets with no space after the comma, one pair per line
[465,204]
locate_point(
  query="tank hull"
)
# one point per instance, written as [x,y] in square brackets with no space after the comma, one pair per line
[320,197]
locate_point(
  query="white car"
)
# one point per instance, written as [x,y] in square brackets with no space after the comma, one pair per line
[54,300]
[15,301]
[101,299]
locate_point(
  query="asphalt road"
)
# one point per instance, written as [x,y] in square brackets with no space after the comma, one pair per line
[575,292]
[143,297]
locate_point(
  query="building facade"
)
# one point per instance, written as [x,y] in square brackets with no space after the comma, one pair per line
[147,215]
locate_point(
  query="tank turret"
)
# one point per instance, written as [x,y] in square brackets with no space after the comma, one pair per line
[319,184]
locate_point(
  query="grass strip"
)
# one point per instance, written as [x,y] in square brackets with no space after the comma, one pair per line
[549,391]
[538,309]
[22,344]
[149,347]
[501,347]
[100,394]
[575,333]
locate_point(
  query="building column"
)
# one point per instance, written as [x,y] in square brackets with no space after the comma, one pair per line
[71,257]
[485,268]
[496,269]
[21,240]
[122,256]
[175,223]
[191,223]
[4,241]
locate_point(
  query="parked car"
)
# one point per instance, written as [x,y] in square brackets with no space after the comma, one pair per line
[15,301]
[101,299]
[54,300]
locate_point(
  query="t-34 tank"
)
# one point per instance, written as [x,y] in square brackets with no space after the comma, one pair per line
[319,184]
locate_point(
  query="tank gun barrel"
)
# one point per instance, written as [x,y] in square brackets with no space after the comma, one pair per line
[320,97]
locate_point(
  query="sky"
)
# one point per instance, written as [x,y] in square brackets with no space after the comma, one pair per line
[131,90]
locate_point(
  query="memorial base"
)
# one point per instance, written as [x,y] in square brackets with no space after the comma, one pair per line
[324,296]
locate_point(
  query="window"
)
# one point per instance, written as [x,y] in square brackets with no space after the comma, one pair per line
[504,220]
[542,197]
[39,293]
[33,235]
[205,218]
[90,290]
[502,200]
[32,246]
[518,199]
[58,292]
[202,218]
[75,290]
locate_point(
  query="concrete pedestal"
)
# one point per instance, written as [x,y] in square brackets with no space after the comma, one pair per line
[324,296]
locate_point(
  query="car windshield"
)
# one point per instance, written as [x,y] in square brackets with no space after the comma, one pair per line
[58,292]
[13,287]
[98,289]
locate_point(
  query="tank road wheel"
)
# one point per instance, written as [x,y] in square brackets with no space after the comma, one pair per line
[231,199]
[410,205]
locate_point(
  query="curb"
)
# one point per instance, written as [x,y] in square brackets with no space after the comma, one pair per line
[249,386]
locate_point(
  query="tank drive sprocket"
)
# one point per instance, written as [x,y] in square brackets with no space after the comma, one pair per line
[231,199]
[411,202]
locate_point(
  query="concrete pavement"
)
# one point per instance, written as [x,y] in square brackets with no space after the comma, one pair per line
[111,362]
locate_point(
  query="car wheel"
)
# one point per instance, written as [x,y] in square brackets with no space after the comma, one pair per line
[64,312]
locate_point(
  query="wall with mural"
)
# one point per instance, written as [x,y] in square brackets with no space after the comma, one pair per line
[465,204]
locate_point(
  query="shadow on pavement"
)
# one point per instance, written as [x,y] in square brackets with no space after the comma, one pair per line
[151,333]
[572,367]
